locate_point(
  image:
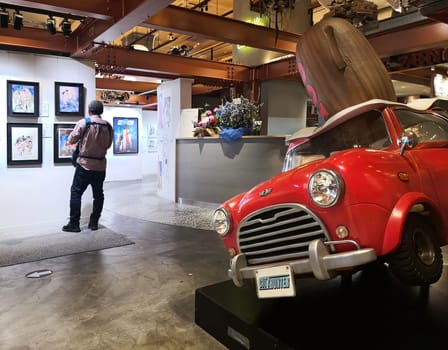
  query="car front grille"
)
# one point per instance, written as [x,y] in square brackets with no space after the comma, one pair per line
[280,232]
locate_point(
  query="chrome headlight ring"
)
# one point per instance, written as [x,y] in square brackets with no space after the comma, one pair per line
[221,221]
[325,188]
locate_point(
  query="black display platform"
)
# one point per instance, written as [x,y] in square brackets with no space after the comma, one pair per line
[369,311]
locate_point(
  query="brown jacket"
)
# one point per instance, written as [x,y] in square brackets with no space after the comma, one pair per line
[95,142]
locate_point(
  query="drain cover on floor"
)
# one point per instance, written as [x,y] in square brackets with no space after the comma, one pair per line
[39,273]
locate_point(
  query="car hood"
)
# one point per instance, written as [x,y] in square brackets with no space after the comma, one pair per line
[365,173]
[291,186]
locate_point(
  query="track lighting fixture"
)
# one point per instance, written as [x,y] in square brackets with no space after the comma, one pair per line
[51,25]
[4,18]
[18,20]
[66,27]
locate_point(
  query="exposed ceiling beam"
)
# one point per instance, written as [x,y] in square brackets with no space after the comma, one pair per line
[36,40]
[437,10]
[285,68]
[184,21]
[421,37]
[107,22]
[408,77]
[99,9]
[125,85]
[133,16]
[121,59]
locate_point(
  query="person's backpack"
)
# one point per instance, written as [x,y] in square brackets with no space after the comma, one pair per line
[75,154]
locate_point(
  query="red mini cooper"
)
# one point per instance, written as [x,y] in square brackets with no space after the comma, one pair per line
[370,183]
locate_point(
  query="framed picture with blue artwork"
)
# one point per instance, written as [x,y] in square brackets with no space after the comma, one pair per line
[24,143]
[125,135]
[62,153]
[69,99]
[22,98]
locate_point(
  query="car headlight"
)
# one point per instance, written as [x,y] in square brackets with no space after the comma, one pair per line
[325,188]
[221,221]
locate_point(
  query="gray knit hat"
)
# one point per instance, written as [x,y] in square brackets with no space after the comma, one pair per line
[96,107]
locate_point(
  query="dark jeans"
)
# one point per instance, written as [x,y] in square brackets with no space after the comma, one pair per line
[81,180]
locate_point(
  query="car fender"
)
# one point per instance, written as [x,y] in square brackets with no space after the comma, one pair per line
[397,219]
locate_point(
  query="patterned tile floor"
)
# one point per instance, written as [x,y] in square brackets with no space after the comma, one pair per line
[139,199]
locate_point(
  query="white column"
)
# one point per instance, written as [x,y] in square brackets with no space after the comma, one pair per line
[172,97]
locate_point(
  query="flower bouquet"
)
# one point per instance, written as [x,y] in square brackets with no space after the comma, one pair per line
[208,125]
[238,118]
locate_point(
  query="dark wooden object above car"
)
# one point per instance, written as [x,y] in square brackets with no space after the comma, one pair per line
[340,68]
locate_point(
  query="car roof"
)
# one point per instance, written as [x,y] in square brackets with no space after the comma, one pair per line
[427,103]
[341,117]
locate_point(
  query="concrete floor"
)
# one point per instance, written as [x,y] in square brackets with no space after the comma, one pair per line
[139,296]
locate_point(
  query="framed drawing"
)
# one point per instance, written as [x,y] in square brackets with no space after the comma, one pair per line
[24,143]
[22,98]
[125,135]
[62,153]
[69,99]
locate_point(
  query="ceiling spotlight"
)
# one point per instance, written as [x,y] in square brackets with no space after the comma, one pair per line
[139,47]
[66,27]
[4,18]
[18,20]
[171,37]
[51,25]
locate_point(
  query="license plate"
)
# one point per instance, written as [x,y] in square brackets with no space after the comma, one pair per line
[274,282]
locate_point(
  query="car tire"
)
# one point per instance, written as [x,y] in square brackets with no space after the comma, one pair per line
[418,260]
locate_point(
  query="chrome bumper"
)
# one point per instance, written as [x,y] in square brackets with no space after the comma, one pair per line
[321,263]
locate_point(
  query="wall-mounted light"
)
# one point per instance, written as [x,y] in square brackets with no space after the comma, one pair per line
[66,27]
[51,25]
[4,18]
[18,20]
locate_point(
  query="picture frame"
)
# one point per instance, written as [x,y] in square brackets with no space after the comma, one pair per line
[62,153]
[24,143]
[125,135]
[69,99]
[22,98]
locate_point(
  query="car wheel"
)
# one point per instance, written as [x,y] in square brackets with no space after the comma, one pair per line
[418,260]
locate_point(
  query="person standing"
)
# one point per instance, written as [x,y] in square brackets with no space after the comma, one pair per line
[95,137]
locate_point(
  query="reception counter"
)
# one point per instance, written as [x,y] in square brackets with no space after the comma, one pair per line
[211,170]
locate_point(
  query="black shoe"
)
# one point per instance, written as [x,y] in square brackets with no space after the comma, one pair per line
[93,226]
[71,228]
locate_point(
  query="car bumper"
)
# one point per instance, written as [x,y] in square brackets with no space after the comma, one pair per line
[321,262]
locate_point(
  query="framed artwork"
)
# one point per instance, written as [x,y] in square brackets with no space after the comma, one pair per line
[125,135]
[69,99]
[62,153]
[22,98]
[24,143]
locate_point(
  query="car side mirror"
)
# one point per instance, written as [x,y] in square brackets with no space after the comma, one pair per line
[407,139]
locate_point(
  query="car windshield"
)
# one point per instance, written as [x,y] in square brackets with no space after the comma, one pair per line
[428,127]
[365,130]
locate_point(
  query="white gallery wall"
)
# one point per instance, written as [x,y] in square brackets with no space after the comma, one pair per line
[38,194]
